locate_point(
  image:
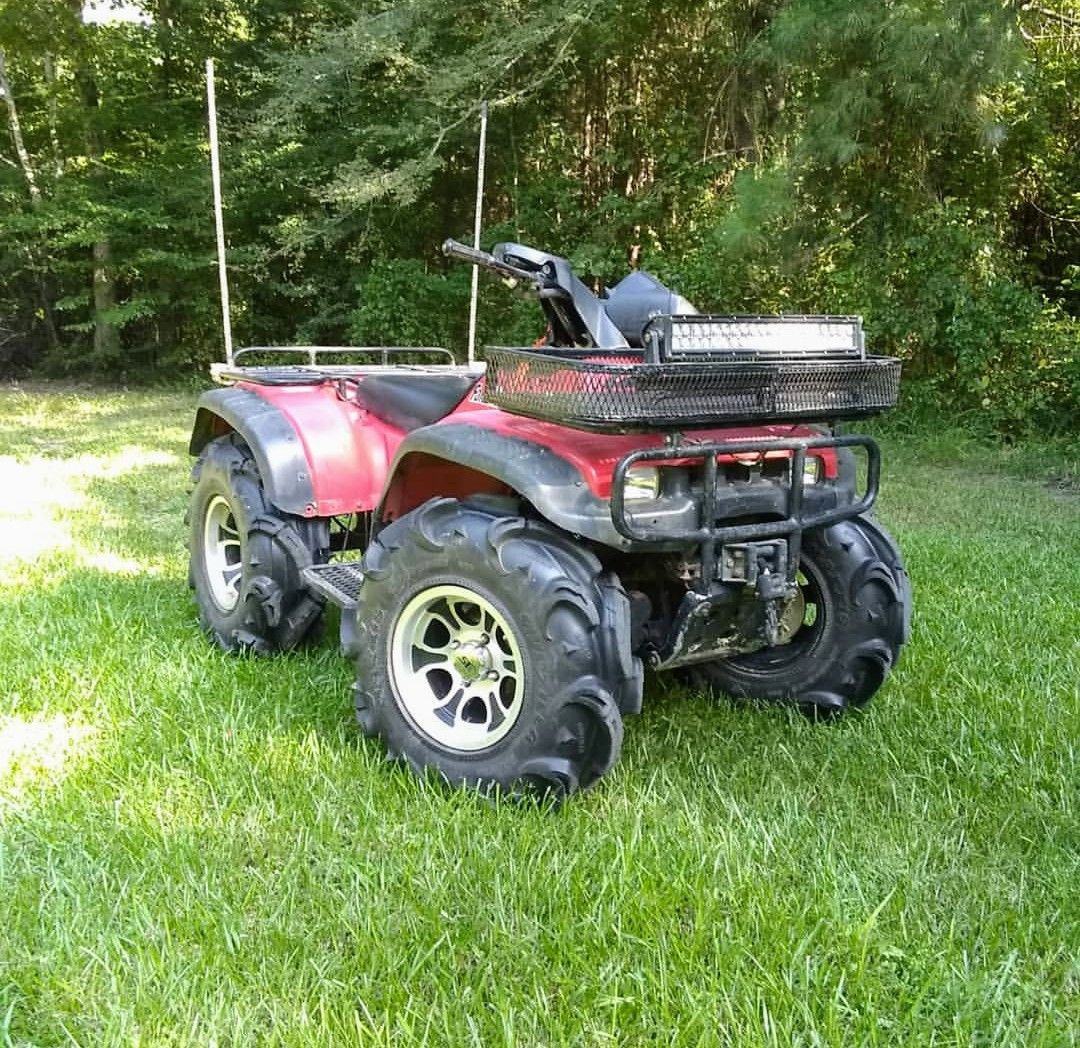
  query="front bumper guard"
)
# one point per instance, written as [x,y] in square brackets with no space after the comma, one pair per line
[764,554]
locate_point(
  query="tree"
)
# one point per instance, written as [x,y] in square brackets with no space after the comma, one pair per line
[914,161]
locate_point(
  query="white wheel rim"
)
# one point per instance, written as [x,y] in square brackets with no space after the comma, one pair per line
[456,668]
[223,553]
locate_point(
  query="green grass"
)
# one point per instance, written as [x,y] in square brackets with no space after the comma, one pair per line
[201,850]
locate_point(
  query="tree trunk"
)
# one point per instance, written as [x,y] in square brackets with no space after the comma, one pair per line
[16,135]
[54,137]
[106,334]
[33,253]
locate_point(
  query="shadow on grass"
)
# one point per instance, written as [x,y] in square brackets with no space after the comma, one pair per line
[122,648]
[140,511]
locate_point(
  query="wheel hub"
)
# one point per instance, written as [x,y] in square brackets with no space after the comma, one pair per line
[472,661]
[456,668]
[791,616]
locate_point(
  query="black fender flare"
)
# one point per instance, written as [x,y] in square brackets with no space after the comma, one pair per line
[278,450]
[554,486]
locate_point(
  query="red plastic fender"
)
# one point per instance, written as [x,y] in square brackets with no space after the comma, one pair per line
[348,449]
[318,455]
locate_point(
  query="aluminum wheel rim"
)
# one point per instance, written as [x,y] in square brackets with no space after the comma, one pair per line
[223,553]
[456,668]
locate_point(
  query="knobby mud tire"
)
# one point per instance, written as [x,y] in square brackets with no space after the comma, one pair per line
[275,611]
[864,603]
[572,625]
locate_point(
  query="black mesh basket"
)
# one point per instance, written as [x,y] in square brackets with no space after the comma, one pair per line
[617,392]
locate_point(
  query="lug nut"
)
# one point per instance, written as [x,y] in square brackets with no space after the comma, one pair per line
[492,674]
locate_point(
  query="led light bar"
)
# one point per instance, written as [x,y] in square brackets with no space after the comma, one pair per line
[759,337]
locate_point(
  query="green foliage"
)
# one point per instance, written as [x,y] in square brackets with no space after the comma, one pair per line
[914,162]
[402,304]
[952,302]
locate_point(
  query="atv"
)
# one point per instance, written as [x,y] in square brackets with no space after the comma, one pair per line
[651,486]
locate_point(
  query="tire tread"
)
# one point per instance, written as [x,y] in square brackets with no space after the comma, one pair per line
[577,735]
[276,612]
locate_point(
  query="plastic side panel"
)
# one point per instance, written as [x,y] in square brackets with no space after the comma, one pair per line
[594,455]
[347,450]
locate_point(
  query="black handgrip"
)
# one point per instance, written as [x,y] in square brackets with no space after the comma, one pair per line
[455,249]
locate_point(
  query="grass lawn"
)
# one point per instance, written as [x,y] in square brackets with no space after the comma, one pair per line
[201,850]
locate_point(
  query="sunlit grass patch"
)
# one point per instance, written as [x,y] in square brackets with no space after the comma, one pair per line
[48,506]
[38,751]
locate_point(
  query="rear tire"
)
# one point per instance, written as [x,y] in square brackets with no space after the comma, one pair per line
[246,556]
[858,617]
[493,651]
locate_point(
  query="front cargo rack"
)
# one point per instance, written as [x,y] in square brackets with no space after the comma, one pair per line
[619,391]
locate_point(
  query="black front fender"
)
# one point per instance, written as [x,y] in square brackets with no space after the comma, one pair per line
[554,486]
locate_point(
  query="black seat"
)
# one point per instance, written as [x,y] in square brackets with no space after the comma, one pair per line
[639,297]
[411,401]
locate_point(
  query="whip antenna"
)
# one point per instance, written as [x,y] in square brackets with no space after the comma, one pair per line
[215,176]
[476,230]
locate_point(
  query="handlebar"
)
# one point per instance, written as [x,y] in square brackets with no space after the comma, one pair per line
[455,249]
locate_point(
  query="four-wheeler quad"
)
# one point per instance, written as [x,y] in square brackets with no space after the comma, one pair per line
[652,486]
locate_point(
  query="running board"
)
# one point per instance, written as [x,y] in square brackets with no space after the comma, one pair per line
[339,582]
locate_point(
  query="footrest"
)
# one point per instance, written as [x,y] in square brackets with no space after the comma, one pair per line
[340,582]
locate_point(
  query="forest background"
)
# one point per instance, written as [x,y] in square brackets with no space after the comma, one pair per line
[915,161]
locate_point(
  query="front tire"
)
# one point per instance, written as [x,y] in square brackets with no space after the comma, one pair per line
[492,651]
[246,556]
[856,601]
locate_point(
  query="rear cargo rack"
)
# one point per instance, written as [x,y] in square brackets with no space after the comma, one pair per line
[620,391]
[315,354]
[313,365]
